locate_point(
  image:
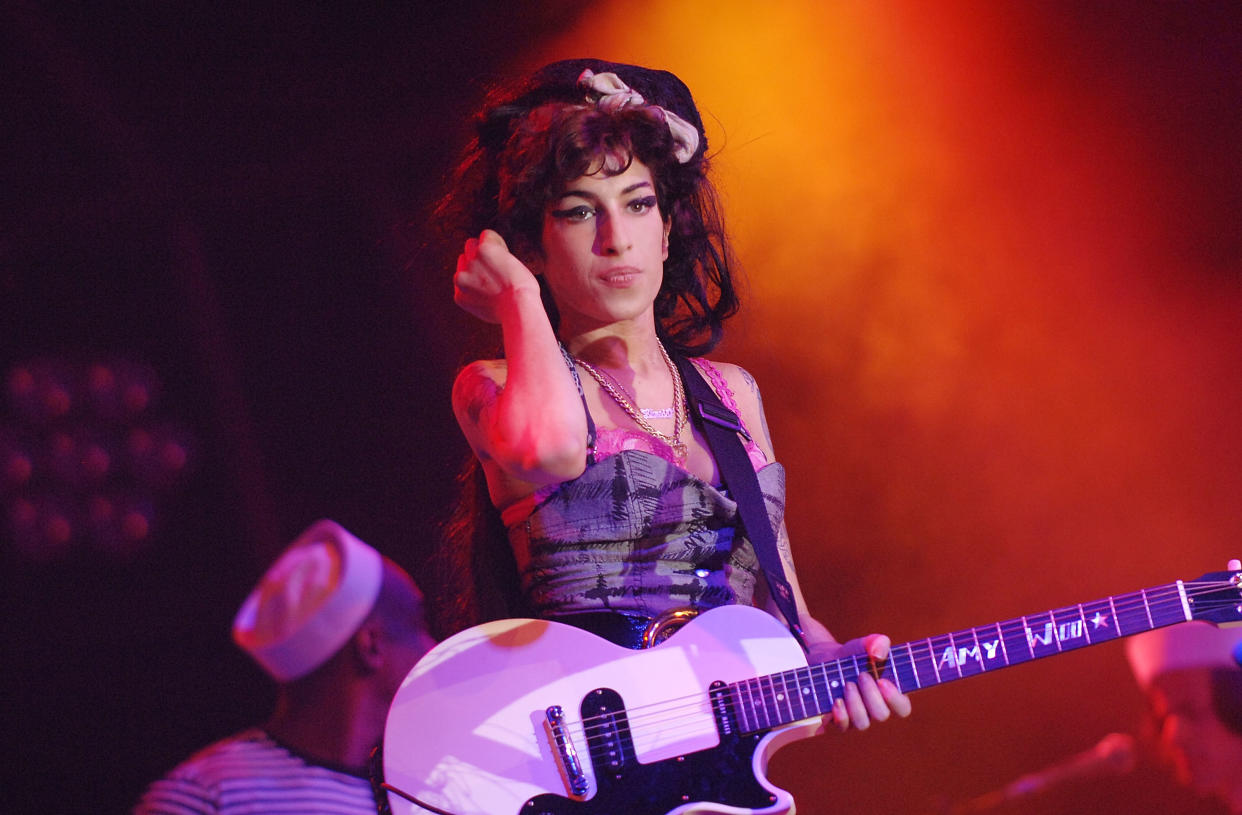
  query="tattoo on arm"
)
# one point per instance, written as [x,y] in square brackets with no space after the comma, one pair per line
[782,546]
[750,381]
[754,388]
[482,394]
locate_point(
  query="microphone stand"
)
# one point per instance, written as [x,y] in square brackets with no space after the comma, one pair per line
[1116,754]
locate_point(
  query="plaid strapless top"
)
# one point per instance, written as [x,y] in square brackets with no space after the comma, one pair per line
[639,535]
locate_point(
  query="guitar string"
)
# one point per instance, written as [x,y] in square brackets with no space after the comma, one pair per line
[666,713]
[770,707]
[917,652]
[1135,599]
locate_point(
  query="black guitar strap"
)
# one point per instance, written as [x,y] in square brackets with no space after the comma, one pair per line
[721,426]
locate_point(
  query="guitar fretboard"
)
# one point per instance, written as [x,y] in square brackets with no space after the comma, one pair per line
[781,698]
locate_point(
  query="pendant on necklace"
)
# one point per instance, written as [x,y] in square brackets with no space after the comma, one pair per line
[656,413]
[679,453]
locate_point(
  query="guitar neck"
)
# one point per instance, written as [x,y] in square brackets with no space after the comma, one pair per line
[782,698]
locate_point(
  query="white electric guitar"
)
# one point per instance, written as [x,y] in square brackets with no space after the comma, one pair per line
[529,717]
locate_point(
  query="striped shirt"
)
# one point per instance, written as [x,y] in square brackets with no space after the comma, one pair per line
[251,774]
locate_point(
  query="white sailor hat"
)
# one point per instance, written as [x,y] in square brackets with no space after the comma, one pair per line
[310,602]
[1186,645]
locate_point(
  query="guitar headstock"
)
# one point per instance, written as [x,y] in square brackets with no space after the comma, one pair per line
[1216,597]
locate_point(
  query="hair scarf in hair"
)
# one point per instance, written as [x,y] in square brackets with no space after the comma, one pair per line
[610,93]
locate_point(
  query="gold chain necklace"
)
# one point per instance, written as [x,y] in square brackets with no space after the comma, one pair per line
[629,398]
[621,397]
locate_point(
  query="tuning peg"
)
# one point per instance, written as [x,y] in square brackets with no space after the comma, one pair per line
[1234,565]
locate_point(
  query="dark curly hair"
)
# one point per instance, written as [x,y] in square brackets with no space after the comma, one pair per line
[531,140]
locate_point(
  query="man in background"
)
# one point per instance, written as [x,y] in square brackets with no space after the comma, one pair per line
[1193,684]
[337,626]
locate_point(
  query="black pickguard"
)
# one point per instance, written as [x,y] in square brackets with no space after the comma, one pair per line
[722,775]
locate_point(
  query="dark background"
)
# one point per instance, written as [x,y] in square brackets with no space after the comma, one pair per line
[235,197]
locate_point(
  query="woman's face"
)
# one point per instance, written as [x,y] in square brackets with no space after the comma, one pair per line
[604,247]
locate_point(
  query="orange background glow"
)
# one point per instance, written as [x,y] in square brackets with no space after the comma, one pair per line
[993,297]
[999,367]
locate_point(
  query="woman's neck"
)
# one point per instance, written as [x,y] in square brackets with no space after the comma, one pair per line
[618,347]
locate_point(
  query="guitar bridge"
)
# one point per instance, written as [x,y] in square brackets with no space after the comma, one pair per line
[575,778]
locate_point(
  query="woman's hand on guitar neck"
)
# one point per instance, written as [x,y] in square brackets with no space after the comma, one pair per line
[867,700]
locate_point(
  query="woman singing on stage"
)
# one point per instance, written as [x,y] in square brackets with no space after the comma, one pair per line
[599,250]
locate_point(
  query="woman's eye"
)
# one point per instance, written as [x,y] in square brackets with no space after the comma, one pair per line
[641,205]
[578,213]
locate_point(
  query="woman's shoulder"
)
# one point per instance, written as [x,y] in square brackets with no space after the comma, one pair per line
[737,378]
[739,391]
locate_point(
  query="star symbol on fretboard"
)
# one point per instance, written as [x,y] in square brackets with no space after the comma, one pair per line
[1100,620]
